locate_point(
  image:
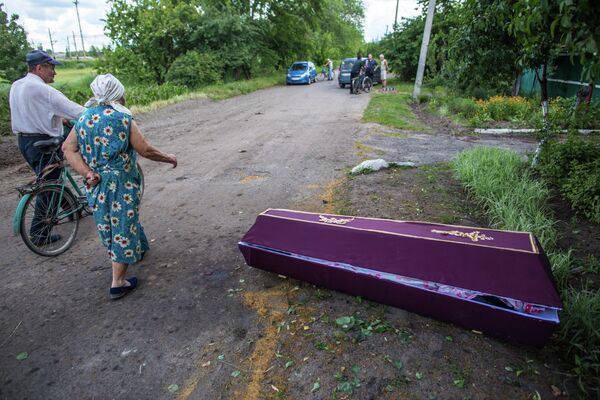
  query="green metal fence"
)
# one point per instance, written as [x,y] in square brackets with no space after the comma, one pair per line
[563,80]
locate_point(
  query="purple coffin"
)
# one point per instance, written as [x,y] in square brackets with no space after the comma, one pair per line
[496,282]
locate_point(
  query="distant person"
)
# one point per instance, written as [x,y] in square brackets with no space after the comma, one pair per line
[329,69]
[383,65]
[37,111]
[103,147]
[370,66]
[355,71]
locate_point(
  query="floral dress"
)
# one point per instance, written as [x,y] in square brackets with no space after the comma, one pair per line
[103,138]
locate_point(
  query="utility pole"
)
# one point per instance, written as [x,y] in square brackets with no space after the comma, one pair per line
[424,47]
[79,22]
[68,49]
[75,43]
[51,43]
[396,17]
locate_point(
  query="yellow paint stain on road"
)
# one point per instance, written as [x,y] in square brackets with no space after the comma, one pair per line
[330,195]
[252,178]
[271,305]
[192,383]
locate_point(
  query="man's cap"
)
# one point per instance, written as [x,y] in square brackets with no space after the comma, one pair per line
[36,57]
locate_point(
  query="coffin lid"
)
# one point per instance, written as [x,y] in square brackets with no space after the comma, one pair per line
[501,263]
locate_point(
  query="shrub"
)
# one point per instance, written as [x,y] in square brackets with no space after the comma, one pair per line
[467,108]
[5,128]
[125,65]
[582,189]
[574,168]
[194,69]
[558,159]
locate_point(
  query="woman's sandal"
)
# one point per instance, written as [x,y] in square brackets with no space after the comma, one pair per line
[118,292]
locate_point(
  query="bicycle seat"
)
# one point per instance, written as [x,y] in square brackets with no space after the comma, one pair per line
[49,145]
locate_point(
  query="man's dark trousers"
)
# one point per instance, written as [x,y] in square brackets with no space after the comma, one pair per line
[38,161]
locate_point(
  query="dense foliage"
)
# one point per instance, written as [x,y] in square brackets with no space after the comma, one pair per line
[574,168]
[467,38]
[244,37]
[194,69]
[478,47]
[13,47]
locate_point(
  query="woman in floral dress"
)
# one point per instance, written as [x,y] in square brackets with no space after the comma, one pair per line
[103,147]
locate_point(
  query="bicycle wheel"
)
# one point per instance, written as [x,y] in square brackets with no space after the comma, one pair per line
[321,77]
[356,86]
[142,181]
[50,220]
[367,84]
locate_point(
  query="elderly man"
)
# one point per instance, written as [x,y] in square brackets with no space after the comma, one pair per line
[37,111]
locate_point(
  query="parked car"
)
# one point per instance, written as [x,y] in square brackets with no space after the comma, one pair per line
[302,72]
[346,67]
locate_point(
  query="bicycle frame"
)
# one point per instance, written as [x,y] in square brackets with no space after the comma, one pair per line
[28,190]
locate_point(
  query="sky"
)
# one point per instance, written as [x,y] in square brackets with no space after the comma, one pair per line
[59,16]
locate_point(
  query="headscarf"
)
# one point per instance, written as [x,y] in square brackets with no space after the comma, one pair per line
[107,90]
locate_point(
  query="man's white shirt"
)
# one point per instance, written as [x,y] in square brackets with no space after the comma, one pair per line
[36,107]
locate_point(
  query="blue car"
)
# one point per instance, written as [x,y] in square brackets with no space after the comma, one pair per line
[302,72]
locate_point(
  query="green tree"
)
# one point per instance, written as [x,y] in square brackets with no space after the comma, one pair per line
[13,46]
[156,31]
[577,27]
[480,52]
[194,69]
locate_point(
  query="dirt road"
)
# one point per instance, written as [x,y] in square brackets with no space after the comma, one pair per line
[200,320]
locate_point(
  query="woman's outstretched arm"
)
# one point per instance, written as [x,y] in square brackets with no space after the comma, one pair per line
[146,150]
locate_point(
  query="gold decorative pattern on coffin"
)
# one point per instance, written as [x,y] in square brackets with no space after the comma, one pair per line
[337,221]
[475,236]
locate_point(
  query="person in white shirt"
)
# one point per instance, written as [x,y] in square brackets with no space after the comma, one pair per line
[37,111]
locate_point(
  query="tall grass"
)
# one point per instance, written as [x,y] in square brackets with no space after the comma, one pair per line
[500,183]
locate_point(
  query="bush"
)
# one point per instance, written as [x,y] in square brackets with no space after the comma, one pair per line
[194,69]
[5,128]
[574,168]
[558,159]
[466,108]
[582,189]
[125,65]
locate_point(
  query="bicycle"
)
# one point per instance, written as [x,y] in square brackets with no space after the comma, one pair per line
[362,83]
[324,74]
[50,209]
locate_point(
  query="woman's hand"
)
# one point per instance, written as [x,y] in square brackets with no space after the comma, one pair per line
[172,159]
[92,179]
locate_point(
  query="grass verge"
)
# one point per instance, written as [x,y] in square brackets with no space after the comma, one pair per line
[393,109]
[500,183]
